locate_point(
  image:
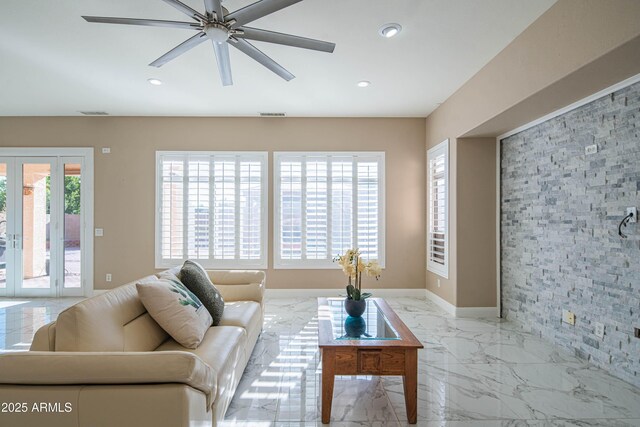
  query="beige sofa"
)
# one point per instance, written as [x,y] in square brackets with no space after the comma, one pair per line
[105,362]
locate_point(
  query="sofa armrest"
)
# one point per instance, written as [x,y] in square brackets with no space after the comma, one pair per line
[239,285]
[45,338]
[91,368]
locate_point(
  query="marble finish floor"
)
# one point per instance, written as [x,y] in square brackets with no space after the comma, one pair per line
[472,372]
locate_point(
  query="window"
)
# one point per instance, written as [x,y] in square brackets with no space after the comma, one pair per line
[438,209]
[327,203]
[211,207]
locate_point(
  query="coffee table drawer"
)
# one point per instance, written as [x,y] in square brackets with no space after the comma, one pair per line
[380,362]
[345,361]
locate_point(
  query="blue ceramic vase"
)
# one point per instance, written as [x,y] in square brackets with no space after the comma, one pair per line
[355,308]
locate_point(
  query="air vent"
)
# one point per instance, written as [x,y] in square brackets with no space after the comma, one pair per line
[94,113]
[272,114]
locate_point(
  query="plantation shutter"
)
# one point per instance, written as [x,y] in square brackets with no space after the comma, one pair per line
[316,204]
[291,209]
[326,204]
[342,206]
[211,209]
[437,238]
[368,208]
[172,205]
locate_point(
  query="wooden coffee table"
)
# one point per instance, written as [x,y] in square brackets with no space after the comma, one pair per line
[379,343]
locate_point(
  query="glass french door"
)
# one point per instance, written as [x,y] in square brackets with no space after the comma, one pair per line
[41,231]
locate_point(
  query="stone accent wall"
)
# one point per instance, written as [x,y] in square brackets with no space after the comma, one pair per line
[560,248]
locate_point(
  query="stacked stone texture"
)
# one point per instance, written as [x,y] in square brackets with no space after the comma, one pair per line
[560,248]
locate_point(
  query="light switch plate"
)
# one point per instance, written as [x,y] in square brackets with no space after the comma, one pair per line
[568,317]
[99,232]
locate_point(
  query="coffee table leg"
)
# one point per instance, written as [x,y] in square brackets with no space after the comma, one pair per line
[328,376]
[410,382]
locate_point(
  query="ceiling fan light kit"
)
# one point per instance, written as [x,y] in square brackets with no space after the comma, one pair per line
[224,29]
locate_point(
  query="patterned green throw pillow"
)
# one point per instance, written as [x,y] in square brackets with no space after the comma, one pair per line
[175,309]
[196,279]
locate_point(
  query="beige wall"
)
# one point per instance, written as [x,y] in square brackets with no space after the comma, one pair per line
[476,222]
[576,48]
[125,192]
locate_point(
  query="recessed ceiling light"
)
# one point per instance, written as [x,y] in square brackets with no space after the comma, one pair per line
[390,30]
[363,83]
[155,82]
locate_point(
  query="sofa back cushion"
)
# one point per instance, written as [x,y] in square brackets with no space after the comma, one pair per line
[234,285]
[113,321]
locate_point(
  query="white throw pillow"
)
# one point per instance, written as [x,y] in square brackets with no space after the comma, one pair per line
[176,309]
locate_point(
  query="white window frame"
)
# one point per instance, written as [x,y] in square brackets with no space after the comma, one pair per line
[161,263]
[438,150]
[278,262]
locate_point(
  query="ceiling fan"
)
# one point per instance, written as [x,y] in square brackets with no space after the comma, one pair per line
[224,29]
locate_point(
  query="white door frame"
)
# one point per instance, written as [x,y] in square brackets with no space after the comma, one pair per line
[85,155]
[54,228]
[10,249]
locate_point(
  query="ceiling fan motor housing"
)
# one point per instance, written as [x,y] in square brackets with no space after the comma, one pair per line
[216,32]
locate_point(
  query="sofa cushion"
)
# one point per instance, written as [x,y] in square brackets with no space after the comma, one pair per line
[246,314]
[113,321]
[196,279]
[176,309]
[221,348]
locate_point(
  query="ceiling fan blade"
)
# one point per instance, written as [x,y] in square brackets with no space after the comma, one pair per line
[180,49]
[285,39]
[214,6]
[257,10]
[252,51]
[144,22]
[186,10]
[224,64]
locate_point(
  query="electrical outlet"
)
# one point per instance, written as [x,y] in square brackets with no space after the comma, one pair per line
[568,317]
[108,277]
[106,150]
[633,211]
[591,149]
[598,330]
[438,282]
[99,232]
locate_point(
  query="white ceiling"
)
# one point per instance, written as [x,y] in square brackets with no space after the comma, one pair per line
[54,63]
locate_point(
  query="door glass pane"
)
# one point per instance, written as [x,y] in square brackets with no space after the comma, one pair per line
[72,225]
[35,225]
[3,225]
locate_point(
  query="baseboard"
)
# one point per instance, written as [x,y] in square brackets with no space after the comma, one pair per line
[477,312]
[441,302]
[311,293]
